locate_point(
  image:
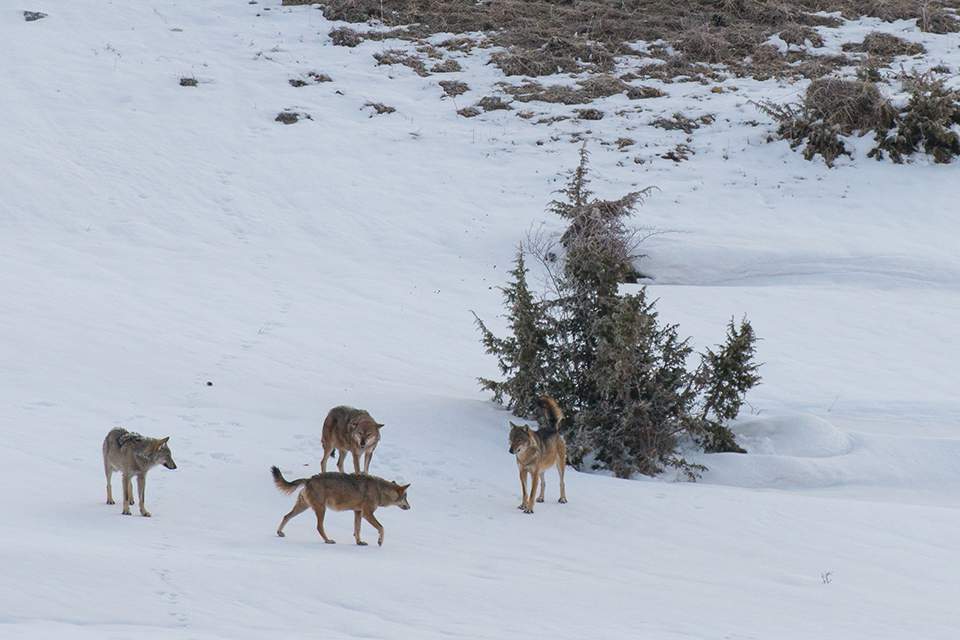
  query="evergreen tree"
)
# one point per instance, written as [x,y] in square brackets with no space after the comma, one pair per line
[724,378]
[521,356]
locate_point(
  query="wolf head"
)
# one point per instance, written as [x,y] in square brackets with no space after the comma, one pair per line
[365,432]
[400,494]
[520,438]
[160,454]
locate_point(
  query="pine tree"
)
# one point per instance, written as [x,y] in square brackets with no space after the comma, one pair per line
[724,378]
[520,357]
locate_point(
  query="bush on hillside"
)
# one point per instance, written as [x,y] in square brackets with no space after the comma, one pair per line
[619,372]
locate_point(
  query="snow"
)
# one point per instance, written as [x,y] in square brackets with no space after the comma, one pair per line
[155,237]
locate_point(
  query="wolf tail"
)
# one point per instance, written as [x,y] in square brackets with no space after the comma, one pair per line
[282,484]
[552,414]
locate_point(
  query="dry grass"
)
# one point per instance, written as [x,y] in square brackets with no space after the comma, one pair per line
[493,103]
[542,37]
[453,88]
[644,92]
[800,34]
[679,121]
[447,66]
[850,105]
[885,46]
[398,56]
[589,114]
[345,37]
[469,112]
[379,108]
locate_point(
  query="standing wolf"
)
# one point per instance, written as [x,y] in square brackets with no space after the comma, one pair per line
[538,450]
[361,494]
[353,430]
[133,455]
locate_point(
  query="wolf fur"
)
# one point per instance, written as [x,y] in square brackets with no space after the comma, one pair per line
[133,455]
[538,450]
[353,430]
[361,494]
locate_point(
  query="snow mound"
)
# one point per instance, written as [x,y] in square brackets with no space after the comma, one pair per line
[800,436]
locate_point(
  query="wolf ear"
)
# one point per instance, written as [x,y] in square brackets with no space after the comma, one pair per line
[380,425]
[162,441]
[403,488]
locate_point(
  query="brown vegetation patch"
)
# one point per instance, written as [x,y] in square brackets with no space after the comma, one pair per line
[453,88]
[850,105]
[379,108]
[644,92]
[447,66]
[885,46]
[800,34]
[589,114]
[345,37]
[493,103]
[548,36]
[398,56]
[469,112]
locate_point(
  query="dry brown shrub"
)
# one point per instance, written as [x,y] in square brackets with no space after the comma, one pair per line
[493,103]
[885,46]
[453,88]
[589,114]
[536,92]
[850,105]
[469,112]
[644,92]
[447,66]
[345,37]
[398,56]
[380,108]
[602,86]
[799,35]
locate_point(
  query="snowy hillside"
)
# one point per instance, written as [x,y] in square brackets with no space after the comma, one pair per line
[154,237]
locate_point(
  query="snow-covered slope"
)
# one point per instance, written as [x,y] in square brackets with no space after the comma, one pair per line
[155,237]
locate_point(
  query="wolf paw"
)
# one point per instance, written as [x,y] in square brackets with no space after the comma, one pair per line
[562,501]
[111,502]
[361,543]
[126,512]
[146,514]
[521,506]
[528,510]
[539,499]
[380,542]
[330,542]
[281,534]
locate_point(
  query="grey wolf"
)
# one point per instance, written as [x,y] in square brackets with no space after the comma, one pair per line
[353,430]
[133,455]
[361,494]
[538,450]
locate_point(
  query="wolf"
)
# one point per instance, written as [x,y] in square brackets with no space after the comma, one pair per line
[361,494]
[133,455]
[538,450]
[353,430]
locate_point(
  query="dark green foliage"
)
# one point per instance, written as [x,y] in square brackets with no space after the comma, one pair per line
[619,373]
[521,356]
[644,398]
[798,126]
[724,378]
[925,124]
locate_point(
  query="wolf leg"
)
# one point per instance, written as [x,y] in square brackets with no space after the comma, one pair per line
[298,507]
[561,467]
[356,463]
[368,515]
[341,458]
[543,485]
[523,489]
[326,454]
[141,491]
[534,481]
[366,462]
[109,473]
[127,493]
[320,511]
[356,529]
